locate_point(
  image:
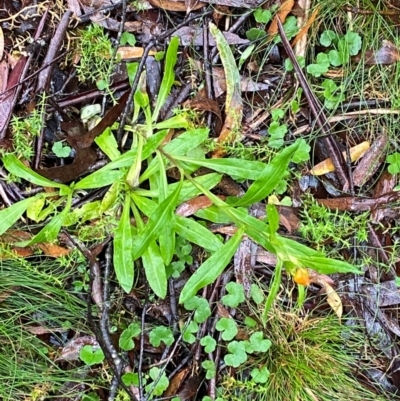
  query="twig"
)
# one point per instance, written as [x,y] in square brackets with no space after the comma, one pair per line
[322,122]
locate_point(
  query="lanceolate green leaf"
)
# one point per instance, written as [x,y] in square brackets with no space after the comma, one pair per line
[178,146]
[16,167]
[50,231]
[154,268]
[123,244]
[99,179]
[108,144]
[270,176]
[273,290]
[160,217]
[196,233]
[286,249]
[188,190]
[208,272]
[169,76]
[249,170]
[11,214]
[302,255]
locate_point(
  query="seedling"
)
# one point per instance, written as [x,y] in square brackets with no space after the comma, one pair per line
[91,356]
[228,328]
[394,163]
[344,46]
[126,342]
[60,150]
[189,330]
[236,295]
[161,334]
[201,307]
[95,63]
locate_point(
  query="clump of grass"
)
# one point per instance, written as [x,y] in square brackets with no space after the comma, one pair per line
[321,225]
[33,295]
[310,359]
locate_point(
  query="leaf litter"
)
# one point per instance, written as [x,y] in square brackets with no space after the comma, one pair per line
[187,189]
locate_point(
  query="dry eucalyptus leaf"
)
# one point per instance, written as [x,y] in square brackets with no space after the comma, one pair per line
[356,152]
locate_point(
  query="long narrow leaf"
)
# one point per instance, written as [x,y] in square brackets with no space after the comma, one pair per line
[249,170]
[99,179]
[154,268]
[273,289]
[169,76]
[208,272]
[123,244]
[16,167]
[11,214]
[269,178]
[160,217]
[196,233]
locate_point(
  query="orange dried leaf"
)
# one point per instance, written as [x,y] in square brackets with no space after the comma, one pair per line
[285,9]
[356,152]
[129,52]
[306,27]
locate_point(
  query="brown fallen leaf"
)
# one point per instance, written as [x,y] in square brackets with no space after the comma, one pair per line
[53,250]
[284,10]
[71,350]
[192,36]
[387,54]
[356,152]
[130,52]
[304,29]
[176,382]
[371,161]
[191,206]
[176,5]
[354,204]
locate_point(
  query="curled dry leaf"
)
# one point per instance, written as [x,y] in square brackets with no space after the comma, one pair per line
[176,382]
[192,36]
[284,10]
[191,206]
[301,37]
[128,52]
[171,5]
[71,351]
[371,161]
[246,83]
[387,54]
[333,298]
[356,152]
[234,103]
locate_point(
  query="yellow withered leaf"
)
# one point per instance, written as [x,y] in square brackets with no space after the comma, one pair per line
[356,152]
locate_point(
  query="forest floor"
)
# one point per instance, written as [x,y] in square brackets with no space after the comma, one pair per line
[199,200]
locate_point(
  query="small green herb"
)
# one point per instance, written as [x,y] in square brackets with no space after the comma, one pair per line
[228,327]
[159,334]
[237,354]
[208,343]
[236,295]
[188,336]
[91,356]
[60,150]
[394,163]
[128,38]
[210,369]
[132,331]
[201,307]
[260,375]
